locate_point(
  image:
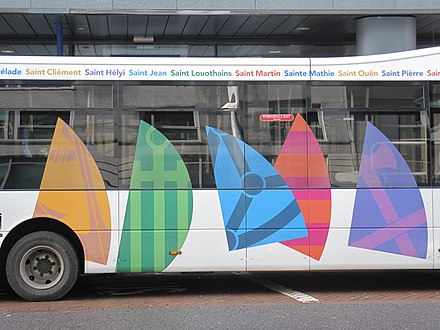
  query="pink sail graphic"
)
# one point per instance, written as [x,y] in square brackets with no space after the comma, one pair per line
[302,165]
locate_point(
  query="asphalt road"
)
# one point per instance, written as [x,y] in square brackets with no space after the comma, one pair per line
[317,316]
[330,300]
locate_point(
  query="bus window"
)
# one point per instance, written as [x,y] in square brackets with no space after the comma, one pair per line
[27,128]
[175,125]
[341,136]
[39,125]
[97,130]
[378,96]
[25,146]
[57,97]
[181,97]
[339,116]
[4,124]
[181,114]
[267,137]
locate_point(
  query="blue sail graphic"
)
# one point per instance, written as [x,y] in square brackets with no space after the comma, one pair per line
[255,210]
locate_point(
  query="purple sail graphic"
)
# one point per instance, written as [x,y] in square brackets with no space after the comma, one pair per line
[390,220]
[257,206]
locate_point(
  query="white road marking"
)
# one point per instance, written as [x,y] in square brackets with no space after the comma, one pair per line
[298,296]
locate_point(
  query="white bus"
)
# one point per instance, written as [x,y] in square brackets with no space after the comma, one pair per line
[216,164]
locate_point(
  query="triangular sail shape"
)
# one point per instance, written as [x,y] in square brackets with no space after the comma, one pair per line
[80,200]
[256,215]
[159,207]
[387,220]
[303,167]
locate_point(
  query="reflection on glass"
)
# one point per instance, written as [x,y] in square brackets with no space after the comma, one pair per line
[181,97]
[368,96]
[23,153]
[4,124]
[344,133]
[57,97]
[187,133]
[339,116]
[267,137]
[181,114]
[25,146]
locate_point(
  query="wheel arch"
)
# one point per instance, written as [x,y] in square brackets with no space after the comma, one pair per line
[40,224]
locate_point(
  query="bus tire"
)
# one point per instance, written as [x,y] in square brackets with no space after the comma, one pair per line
[42,266]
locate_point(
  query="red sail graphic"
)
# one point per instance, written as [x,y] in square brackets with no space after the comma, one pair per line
[303,167]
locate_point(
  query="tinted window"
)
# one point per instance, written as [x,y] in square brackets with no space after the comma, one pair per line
[181,114]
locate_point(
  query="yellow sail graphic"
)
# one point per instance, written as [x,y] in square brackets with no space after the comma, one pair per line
[80,200]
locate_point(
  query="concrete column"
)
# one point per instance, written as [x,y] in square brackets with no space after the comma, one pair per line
[385,34]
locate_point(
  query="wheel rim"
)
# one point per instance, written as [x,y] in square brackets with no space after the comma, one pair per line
[41,267]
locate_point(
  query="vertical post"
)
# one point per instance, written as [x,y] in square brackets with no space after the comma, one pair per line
[59,32]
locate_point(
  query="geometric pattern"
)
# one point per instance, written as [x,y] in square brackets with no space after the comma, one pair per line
[396,220]
[303,167]
[159,206]
[255,210]
[80,200]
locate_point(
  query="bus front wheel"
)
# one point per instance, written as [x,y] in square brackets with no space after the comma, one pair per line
[42,266]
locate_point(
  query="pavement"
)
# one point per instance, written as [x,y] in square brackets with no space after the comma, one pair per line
[140,291]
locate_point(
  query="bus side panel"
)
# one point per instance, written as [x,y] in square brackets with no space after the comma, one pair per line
[92,214]
[19,206]
[204,248]
[271,230]
[338,253]
[109,267]
[16,207]
[276,257]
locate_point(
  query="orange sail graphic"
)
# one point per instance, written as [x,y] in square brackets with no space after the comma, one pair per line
[80,200]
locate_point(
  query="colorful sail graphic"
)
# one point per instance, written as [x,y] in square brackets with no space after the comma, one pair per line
[253,213]
[303,167]
[80,200]
[387,220]
[159,207]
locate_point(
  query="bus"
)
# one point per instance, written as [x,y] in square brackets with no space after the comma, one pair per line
[122,165]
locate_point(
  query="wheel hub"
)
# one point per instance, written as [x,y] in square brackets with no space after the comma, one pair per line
[41,267]
[44,265]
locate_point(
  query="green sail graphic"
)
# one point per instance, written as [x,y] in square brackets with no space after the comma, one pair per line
[159,207]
